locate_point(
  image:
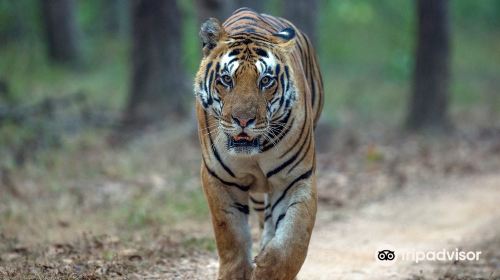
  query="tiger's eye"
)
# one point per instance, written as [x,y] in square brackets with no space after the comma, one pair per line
[227,79]
[265,81]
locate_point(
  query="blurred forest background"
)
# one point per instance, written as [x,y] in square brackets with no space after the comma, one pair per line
[98,135]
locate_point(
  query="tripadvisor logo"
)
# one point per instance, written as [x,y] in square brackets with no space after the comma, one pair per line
[441,255]
[388,255]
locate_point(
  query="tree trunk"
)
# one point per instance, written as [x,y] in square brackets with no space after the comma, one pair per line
[429,102]
[62,30]
[303,14]
[113,13]
[159,86]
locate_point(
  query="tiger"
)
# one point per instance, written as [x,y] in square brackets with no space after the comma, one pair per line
[259,95]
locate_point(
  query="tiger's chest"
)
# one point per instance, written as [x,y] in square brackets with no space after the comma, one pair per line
[254,172]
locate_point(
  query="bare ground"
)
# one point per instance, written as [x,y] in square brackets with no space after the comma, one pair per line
[442,215]
[138,213]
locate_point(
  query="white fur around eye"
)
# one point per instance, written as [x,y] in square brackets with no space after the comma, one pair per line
[231,66]
[270,61]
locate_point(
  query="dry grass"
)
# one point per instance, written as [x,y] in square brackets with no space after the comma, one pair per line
[93,211]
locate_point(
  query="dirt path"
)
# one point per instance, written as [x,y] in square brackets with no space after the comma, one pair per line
[453,214]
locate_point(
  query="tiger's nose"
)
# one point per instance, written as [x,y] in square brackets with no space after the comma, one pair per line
[243,122]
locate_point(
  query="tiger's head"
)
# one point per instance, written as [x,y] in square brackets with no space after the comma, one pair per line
[246,83]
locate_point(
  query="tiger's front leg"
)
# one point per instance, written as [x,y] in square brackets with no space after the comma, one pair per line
[292,215]
[229,212]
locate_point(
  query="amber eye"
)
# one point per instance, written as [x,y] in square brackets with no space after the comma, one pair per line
[226,80]
[266,82]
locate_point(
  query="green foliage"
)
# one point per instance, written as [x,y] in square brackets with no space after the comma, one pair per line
[19,20]
[366,51]
[478,15]
[206,244]
[190,40]
[152,209]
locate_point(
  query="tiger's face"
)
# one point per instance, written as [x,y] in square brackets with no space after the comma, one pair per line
[247,86]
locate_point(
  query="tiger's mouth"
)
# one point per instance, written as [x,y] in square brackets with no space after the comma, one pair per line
[243,142]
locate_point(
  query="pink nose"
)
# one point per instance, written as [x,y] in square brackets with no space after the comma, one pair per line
[243,122]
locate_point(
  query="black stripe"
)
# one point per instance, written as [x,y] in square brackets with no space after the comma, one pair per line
[301,129]
[282,131]
[302,157]
[207,90]
[242,208]
[261,52]
[267,217]
[247,38]
[211,172]
[302,54]
[310,66]
[265,64]
[262,208]
[270,24]
[256,201]
[231,61]
[287,78]
[215,112]
[282,116]
[203,102]
[283,215]
[301,177]
[268,145]
[210,101]
[290,160]
[214,150]
[278,25]
[280,217]
[283,120]
[238,27]
[276,99]
[234,52]
[282,80]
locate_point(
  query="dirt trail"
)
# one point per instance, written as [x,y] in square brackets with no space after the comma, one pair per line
[456,213]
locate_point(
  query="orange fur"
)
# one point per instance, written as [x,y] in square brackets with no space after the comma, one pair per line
[271,81]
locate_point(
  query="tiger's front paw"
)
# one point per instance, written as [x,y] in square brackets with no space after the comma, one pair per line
[270,265]
[235,272]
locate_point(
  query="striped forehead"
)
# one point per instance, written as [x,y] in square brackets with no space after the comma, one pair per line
[229,63]
[266,62]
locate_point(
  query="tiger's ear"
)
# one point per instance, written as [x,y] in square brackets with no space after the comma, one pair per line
[286,38]
[211,34]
